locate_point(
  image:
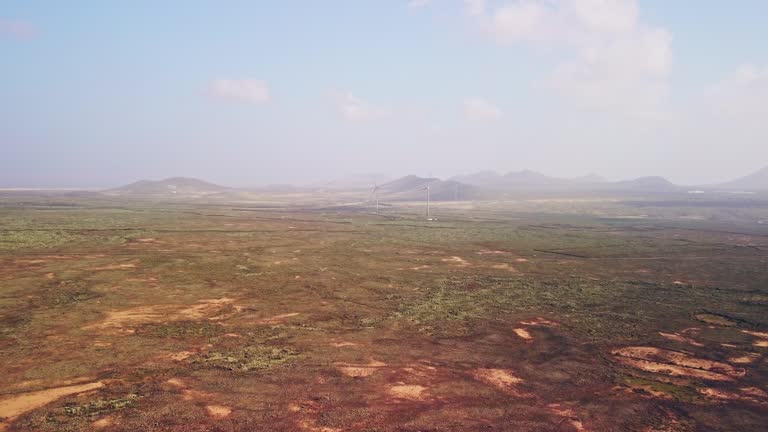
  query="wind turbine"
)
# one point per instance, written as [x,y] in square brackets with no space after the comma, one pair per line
[427,189]
[375,192]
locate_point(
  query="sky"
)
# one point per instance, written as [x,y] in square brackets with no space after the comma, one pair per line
[245,93]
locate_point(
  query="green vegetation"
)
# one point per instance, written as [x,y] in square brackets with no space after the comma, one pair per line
[248,358]
[678,392]
[99,406]
[181,329]
[13,240]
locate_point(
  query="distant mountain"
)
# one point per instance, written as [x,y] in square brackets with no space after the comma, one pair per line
[531,178]
[756,181]
[482,178]
[170,186]
[642,184]
[525,180]
[412,188]
[590,178]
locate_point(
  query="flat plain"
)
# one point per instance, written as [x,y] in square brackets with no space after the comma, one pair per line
[537,316]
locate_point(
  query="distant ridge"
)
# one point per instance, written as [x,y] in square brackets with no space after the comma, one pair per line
[757,181]
[412,188]
[168,187]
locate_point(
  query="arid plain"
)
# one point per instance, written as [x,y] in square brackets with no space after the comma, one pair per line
[125,315]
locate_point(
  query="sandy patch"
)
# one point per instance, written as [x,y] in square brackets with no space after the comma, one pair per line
[490,252]
[311,425]
[420,369]
[159,313]
[715,319]
[190,395]
[569,415]
[360,371]
[678,359]
[756,334]
[540,322]
[505,266]
[745,359]
[176,383]
[25,385]
[16,405]
[148,240]
[407,391]
[762,342]
[680,338]
[675,363]
[671,370]
[50,276]
[179,356]
[103,422]
[114,267]
[422,267]
[148,279]
[218,411]
[459,261]
[342,344]
[521,260]
[523,334]
[277,318]
[747,394]
[503,379]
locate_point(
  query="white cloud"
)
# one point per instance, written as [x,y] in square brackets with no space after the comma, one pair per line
[418,3]
[616,60]
[480,109]
[243,90]
[741,95]
[353,108]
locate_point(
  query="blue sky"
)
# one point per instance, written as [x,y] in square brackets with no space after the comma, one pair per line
[243,93]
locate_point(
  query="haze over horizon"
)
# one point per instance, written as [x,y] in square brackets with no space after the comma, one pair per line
[99,95]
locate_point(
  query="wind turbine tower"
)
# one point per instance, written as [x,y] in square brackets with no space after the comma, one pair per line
[375,194]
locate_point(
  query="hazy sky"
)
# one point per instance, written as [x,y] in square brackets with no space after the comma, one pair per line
[99,93]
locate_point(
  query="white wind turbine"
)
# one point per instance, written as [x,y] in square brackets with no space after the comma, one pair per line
[375,193]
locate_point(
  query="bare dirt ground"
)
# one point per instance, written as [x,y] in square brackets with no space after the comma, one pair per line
[210,318]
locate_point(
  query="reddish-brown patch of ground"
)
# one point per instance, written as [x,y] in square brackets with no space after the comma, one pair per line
[360,371]
[16,405]
[277,318]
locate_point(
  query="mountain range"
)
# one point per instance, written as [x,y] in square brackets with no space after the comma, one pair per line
[168,187]
[477,186]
